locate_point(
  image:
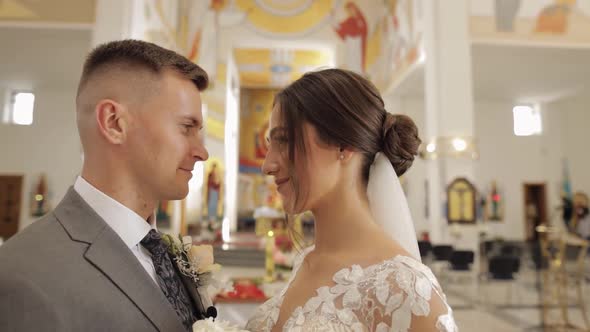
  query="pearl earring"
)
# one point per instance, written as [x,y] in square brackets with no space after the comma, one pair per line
[341,157]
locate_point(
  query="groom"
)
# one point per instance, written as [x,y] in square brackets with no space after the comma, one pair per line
[96,263]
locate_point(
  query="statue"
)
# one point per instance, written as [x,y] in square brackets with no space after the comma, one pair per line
[495,203]
[213,192]
[580,221]
[40,202]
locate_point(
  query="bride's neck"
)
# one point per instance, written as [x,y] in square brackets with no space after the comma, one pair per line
[342,221]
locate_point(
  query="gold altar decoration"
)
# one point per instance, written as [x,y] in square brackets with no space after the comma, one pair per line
[269,263]
[265,218]
[461,200]
[554,243]
[275,229]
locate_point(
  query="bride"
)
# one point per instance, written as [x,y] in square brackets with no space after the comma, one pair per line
[334,150]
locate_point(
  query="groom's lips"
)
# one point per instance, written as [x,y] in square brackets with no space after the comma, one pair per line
[189,171]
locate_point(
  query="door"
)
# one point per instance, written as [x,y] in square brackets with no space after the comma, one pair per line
[10,203]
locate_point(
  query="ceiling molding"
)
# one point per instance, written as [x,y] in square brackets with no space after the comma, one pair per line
[46,25]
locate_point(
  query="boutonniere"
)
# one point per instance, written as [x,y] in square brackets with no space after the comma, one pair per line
[215,325]
[194,262]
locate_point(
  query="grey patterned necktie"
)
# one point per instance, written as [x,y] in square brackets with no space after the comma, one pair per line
[169,280]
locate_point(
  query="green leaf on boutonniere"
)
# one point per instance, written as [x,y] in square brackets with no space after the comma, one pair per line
[172,248]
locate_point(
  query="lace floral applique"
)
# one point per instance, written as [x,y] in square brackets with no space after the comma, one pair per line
[382,297]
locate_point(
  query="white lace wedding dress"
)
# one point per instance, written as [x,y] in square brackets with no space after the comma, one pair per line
[383,297]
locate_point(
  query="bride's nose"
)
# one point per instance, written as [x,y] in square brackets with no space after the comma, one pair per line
[270,167]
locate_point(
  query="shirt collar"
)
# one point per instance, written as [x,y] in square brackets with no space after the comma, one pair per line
[130,227]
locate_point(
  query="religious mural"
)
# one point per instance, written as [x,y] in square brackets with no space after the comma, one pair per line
[294,19]
[352,30]
[461,202]
[378,38]
[542,22]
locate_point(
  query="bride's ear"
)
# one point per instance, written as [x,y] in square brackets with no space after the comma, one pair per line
[345,154]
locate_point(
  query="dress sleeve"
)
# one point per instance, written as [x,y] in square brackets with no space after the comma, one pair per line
[406,297]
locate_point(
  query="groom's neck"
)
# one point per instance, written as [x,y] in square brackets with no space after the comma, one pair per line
[120,188]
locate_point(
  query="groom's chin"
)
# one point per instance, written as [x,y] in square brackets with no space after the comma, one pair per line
[179,193]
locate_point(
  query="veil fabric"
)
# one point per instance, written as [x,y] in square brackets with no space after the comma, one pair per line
[389,206]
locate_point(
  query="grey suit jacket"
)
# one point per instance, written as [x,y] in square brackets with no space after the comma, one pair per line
[70,271]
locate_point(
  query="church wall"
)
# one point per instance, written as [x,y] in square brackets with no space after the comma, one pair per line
[576,117]
[511,160]
[49,146]
[49,63]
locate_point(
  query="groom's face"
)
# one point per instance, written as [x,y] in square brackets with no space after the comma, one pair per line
[166,138]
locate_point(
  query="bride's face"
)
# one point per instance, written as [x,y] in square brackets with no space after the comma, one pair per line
[307,181]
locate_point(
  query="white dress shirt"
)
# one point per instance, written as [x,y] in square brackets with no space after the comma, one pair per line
[130,227]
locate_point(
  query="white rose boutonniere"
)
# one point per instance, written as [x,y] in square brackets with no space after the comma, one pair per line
[194,262]
[196,266]
[211,325]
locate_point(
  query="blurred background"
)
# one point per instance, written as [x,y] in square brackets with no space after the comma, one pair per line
[498,88]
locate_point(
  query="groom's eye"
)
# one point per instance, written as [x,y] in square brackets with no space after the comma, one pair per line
[186,128]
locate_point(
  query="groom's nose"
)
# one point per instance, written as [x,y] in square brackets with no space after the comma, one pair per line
[199,151]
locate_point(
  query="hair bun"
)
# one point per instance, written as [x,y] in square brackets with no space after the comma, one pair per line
[400,141]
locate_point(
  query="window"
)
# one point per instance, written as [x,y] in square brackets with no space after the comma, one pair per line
[20,108]
[527,120]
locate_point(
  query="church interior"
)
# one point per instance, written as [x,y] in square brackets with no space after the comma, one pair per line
[499,90]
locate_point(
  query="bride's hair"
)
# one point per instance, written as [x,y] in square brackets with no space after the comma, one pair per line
[347,111]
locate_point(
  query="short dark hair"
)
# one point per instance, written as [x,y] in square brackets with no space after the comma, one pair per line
[347,111]
[143,55]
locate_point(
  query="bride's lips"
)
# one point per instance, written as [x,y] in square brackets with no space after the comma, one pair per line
[280,182]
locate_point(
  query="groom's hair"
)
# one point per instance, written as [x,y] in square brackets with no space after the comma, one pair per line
[134,59]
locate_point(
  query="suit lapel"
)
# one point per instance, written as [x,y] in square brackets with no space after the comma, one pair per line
[112,257]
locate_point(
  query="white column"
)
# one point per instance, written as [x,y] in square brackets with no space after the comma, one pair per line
[449,108]
[232,136]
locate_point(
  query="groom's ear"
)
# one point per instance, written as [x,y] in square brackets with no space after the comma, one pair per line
[112,120]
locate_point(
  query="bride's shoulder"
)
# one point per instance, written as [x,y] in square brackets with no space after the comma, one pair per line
[402,264]
[401,275]
[405,274]
[407,292]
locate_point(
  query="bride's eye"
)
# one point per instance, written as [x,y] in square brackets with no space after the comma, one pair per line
[278,138]
[281,142]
